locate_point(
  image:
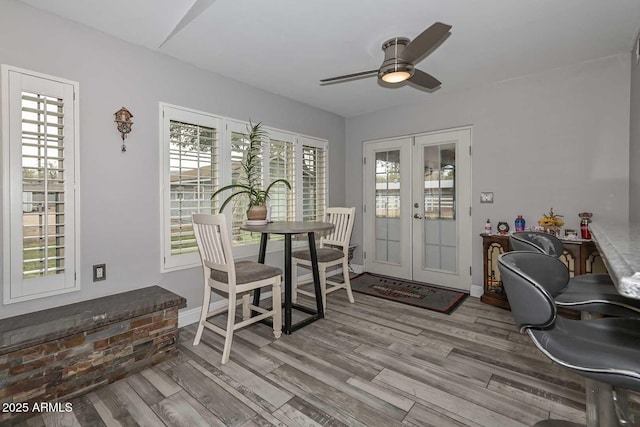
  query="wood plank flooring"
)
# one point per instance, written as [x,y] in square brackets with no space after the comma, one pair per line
[372,363]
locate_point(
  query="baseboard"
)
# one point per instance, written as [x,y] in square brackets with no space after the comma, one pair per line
[192,315]
[476,291]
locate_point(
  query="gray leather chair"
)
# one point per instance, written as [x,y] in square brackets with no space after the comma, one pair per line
[603,350]
[592,293]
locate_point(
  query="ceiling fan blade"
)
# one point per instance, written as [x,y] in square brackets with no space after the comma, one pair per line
[425,80]
[427,40]
[196,9]
[349,76]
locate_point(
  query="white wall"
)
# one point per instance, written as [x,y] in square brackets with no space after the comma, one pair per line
[556,139]
[120,217]
[634,148]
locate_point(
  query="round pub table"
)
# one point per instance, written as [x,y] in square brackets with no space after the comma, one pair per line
[288,229]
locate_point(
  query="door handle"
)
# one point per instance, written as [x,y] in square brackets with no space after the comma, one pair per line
[416,216]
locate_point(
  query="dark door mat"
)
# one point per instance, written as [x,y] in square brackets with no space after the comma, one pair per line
[417,294]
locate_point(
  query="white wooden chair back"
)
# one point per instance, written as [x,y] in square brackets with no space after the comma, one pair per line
[342,219]
[214,244]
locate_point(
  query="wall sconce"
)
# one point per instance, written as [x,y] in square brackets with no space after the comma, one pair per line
[123,120]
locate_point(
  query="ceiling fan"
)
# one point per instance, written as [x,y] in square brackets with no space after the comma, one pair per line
[400,55]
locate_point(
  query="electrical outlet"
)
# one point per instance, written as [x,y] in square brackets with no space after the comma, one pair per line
[99,272]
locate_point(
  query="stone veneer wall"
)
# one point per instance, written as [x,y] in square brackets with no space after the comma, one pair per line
[106,349]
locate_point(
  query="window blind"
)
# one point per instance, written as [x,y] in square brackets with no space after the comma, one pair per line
[282,166]
[43,189]
[239,205]
[202,153]
[193,165]
[39,147]
[313,182]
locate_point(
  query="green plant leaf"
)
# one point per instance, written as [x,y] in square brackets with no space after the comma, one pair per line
[231,197]
[277,181]
[250,181]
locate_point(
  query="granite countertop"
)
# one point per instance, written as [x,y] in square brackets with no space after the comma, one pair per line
[54,323]
[619,245]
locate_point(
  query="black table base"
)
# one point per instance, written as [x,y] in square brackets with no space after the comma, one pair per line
[288,304]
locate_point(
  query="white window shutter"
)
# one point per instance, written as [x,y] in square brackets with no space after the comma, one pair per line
[191,174]
[314,178]
[40,147]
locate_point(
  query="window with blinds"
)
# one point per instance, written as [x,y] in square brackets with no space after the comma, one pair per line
[203,153]
[282,203]
[40,153]
[191,142]
[240,204]
[278,163]
[313,182]
[43,227]
[193,159]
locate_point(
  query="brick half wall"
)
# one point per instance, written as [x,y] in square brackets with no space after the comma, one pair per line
[59,369]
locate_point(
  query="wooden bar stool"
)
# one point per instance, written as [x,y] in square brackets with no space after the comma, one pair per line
[234,279]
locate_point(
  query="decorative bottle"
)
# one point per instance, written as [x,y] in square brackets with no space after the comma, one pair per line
[520,223]
[585,219]
[584,229]
[487,227]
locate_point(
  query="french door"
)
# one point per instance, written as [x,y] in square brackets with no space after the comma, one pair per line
[417,198]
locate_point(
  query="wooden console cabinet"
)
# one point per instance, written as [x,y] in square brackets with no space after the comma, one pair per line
[580,256]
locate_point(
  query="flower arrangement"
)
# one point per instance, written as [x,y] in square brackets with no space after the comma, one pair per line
[551,222]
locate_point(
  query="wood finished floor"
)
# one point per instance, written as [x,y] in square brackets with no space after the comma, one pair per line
[372,363]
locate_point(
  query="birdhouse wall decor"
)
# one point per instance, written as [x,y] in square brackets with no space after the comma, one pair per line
[123,120]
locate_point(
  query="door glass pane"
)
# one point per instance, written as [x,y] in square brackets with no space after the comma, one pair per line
[439,225]
[387,224]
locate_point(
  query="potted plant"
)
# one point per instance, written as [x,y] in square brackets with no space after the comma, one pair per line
[250,180]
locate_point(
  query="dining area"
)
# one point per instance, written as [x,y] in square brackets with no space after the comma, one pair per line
[242,282]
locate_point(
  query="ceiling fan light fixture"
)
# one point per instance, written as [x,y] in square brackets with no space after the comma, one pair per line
[396,76]
[394,69]
[396,72]
[400,56]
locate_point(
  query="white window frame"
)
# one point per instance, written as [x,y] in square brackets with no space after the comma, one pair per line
[16,288]
[169,112]
[226,126]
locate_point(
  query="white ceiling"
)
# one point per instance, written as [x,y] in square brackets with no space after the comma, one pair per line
[287,46]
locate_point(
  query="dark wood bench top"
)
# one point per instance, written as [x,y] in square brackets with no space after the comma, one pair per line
[38,327]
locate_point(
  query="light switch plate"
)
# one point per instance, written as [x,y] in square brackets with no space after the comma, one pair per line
[486,197]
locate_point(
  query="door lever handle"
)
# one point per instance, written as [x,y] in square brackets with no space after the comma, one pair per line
[416,216]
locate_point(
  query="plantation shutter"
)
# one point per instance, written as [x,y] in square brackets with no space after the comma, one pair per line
[43,178]
[281,204]
[203,153]
[240,204]
[314,179]
[41,157]
[192,143]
